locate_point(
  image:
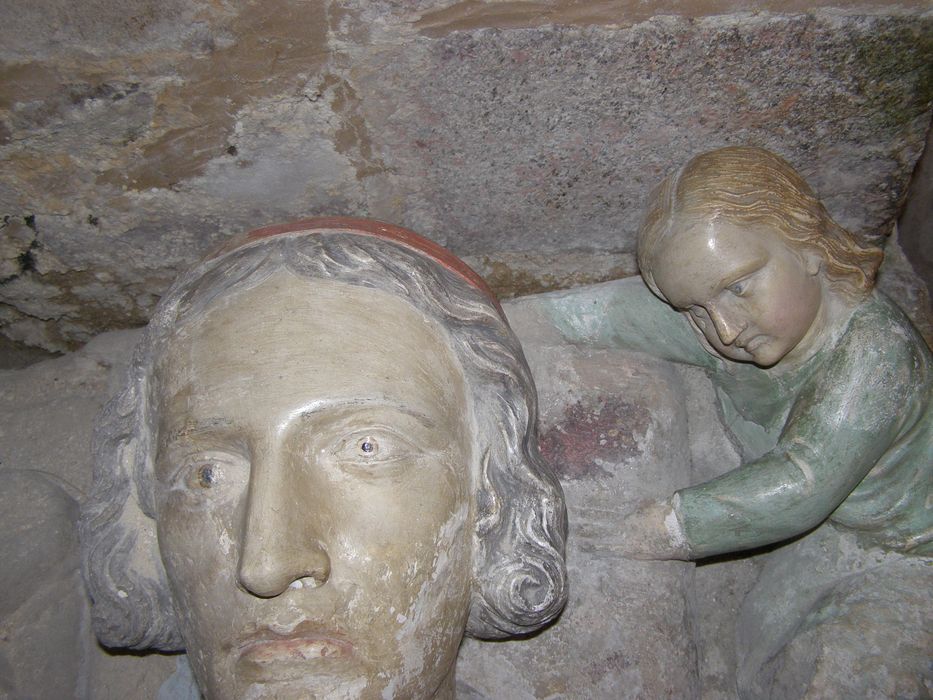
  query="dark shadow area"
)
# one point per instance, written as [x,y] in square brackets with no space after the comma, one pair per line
[914,224]
[15,355]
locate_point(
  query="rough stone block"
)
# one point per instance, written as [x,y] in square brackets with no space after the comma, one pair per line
[524,136]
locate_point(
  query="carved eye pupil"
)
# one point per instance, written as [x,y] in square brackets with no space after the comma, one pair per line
[367,446]
[207,476]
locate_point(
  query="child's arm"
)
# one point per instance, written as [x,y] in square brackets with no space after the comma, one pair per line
[842,424]
[622,314]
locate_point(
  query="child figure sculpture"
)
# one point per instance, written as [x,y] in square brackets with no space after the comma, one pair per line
[827,390]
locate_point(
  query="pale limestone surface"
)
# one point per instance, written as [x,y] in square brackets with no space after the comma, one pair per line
[525,136]
[41,611]
[616,429]
[46,415]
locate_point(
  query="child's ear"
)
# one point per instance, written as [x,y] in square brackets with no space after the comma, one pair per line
[813,262]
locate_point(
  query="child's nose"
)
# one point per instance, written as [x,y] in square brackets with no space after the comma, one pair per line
[727,328]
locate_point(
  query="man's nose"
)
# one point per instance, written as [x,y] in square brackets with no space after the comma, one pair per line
[727,328]
[279,545]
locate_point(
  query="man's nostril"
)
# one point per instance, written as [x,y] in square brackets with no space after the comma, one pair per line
[308,582]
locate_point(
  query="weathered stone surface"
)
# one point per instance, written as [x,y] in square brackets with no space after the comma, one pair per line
[720,585]
[594,117]
[523,135]
[45,648]
[42,605]
[914,223]
[46,414]
[827,618]
[899,280]
[614,427]
[47,410]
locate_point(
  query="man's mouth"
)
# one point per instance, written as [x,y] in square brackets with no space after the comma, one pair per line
[303,644]
[294,649]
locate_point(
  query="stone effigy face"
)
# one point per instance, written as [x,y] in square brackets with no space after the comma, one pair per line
[826,388]
[323,472]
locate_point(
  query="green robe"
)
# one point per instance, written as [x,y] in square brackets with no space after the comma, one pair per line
[846,436]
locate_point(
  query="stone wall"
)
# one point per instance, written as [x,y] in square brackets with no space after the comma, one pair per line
[523,135]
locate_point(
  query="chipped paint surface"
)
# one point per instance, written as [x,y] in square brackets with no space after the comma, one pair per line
[594,435]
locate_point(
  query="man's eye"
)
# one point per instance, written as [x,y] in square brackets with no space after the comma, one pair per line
[205,476]
[367,447]
[213,475]
[374,449]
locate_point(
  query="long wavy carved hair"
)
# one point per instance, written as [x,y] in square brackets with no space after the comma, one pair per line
[519,571]
[748,187]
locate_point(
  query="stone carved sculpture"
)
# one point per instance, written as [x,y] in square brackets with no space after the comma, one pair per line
[827,390]
[323,471]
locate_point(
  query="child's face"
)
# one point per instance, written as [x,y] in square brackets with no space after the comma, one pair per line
[751,296]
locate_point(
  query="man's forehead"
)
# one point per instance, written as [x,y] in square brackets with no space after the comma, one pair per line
[290,341]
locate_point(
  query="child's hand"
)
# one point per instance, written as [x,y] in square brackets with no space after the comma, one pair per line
[652,531]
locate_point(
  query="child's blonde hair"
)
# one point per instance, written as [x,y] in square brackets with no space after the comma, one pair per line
[751,186]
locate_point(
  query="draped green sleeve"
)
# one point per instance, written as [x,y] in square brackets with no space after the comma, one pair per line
[624,314]
[860,431]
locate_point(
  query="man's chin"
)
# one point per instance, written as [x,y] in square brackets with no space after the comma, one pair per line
[291,683]
[306,687]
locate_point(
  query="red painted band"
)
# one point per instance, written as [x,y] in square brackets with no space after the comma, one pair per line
[363,227]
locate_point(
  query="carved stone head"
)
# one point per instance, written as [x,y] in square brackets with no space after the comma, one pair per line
[323,471]
[738,241]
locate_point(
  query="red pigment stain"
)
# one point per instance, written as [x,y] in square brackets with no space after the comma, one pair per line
[594,433]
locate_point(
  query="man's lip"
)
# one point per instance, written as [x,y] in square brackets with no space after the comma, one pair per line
[303,643]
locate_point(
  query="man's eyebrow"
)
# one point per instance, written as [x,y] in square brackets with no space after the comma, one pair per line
[189,428]
[368,404]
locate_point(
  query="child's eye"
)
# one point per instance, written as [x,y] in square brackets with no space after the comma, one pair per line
[738,288]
